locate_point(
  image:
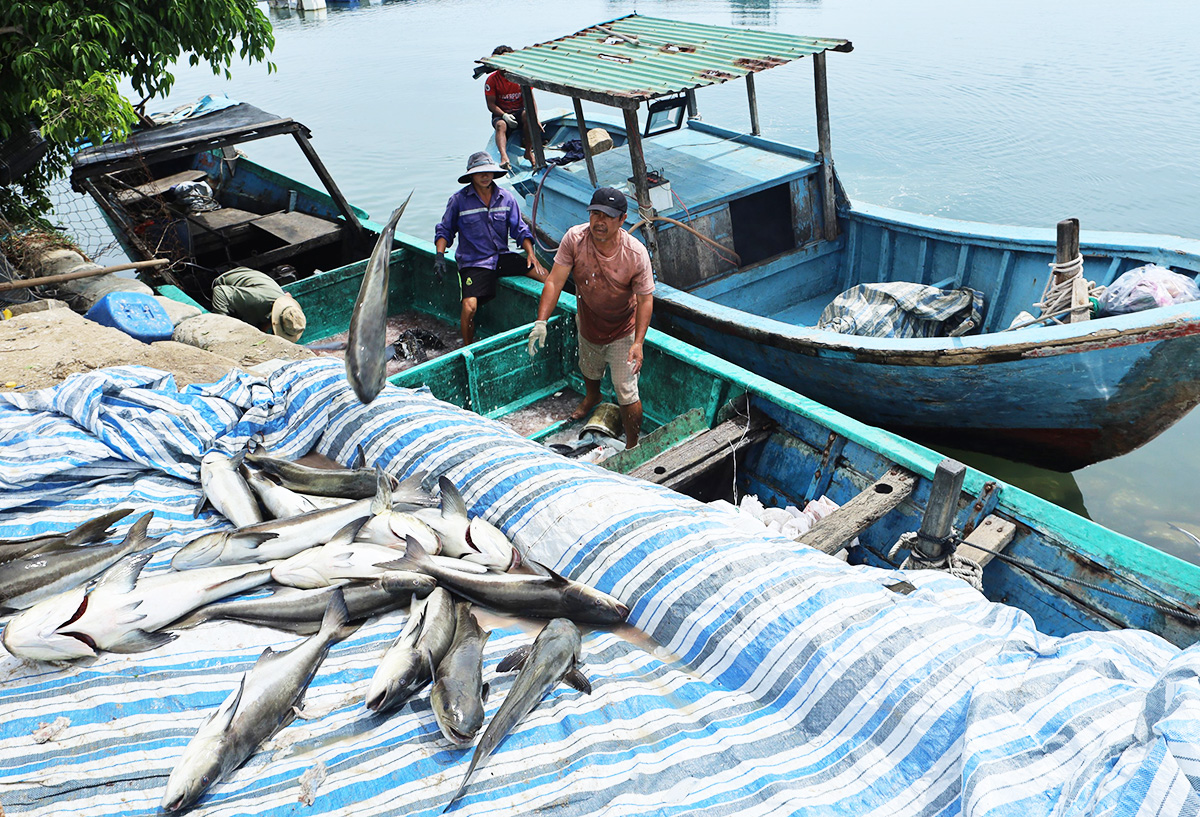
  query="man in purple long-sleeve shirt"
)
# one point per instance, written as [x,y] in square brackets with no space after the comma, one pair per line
[483,216]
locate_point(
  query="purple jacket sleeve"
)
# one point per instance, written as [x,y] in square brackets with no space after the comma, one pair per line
[447,228]
[517,228]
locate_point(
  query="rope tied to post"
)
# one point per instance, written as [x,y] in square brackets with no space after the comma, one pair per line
[960,567]
[1056,296]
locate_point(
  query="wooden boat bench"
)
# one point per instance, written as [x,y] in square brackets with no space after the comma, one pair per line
[285,234]
[682,465]
[835,531]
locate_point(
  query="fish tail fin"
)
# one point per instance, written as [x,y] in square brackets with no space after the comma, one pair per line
[336,616]
[382,501]
[136,537]
[96,529]
[415,558]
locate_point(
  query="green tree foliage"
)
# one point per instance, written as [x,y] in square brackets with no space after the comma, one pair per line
[61,62]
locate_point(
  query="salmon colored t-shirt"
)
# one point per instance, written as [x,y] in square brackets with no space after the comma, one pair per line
[606,286]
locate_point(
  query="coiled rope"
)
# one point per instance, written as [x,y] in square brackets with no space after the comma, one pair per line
[1056,297]
[961,567]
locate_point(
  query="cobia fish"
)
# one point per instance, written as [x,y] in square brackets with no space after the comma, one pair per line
[266,700]
[122,613]
[547,595]
[404,668]
[299,611]
[475,540]
[36,576]
[345,483]
[336,562]
[91,531]
[458,690]
[283,538]
[553,657]
[223,487]
[366,360]
[279,501]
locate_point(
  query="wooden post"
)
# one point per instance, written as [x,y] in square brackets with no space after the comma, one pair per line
[25,283]
[824,144]
[940,510]
[583,137]
[753,98]
[531,122]
[692,111]
[640,185]
[1066,250]
[343,206]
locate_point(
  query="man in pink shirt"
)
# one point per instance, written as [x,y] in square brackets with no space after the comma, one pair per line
[614,286]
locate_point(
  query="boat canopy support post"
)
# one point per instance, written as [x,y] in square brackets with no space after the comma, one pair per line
[752,97]
[581,124]
[933,542]
[334,193]
[642,188]
[531,119]
[825,145]
[692,111]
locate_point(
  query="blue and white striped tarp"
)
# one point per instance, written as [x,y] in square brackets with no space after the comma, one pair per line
[775,680]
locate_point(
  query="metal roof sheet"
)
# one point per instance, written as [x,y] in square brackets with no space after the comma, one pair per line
[635,58]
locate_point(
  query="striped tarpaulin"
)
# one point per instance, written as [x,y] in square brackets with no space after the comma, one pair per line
[775,680]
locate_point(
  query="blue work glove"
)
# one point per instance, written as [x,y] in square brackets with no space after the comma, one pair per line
[439,266]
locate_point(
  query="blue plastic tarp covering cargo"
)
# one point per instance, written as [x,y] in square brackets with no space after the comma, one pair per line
[774,679]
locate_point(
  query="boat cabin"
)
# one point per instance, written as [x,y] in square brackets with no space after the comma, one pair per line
[182,190]
[710,200]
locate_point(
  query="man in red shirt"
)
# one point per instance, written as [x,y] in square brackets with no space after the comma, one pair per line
[507,104]
[614,287]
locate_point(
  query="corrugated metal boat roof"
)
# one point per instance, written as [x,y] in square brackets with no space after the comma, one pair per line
[635,58]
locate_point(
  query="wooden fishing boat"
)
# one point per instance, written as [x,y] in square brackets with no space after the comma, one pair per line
[250,216]
[752,239]
[715,430]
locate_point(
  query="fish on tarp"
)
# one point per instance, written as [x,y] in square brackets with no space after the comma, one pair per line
[404,667]
[284,538]
[475,540]
[122,613]
[344,483]
[341,561]
[266,700]
[93,530]
[27,580]
[280,502]
[223,487]
[366,356]
[458,690]
[299,611]
[553,657]
[547,594]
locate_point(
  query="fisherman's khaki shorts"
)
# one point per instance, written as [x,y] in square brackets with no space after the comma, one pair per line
[594,357]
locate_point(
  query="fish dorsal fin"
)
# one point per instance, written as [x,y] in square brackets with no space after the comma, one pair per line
[382,503]
[235,462]
[200,503]
[345,535]
[515,659]
[96,529]
[550,574]
[576,680]
[361,454]
[486,690]
[121,577]
[453,506]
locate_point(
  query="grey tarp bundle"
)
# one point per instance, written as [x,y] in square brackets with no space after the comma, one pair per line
[778,680]
[901,310]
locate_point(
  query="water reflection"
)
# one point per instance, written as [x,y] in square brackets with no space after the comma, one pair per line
[1052,486]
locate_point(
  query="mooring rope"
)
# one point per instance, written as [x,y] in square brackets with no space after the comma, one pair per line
[1056,297]
[961,567]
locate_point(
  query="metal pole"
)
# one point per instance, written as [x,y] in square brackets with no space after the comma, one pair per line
[531,122]
[583,137]
[825,145]
[753,97]
[692,111]
[334,193]
[640,185]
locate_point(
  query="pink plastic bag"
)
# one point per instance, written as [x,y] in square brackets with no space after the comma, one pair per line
[1148,287]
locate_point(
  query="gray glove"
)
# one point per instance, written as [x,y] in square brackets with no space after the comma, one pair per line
[510,120]
[537,337]
[439,266]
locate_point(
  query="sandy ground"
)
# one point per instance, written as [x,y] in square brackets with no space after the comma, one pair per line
[42,349]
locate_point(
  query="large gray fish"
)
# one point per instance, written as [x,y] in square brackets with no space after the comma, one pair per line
[283,538]
[404,668]
[279,501]
[91,531]
[475,540]
[346,483]
[366,357]
[122,613]
[266,700]
[547,595]
[458,690]
[36,576]
[300,611]
[553,657]
[223,487]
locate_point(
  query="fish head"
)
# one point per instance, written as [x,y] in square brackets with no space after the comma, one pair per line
[35,633]
[198,769]
[201,552]
[459,713]
[594,606]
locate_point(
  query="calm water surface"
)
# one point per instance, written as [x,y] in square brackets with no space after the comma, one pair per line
[1009,111]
